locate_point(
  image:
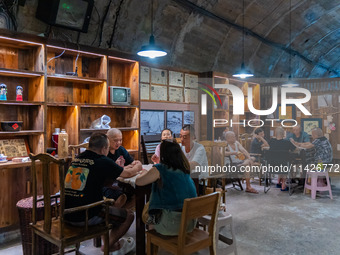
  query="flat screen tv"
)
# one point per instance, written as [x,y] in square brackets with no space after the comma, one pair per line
[70,14]
[120,95]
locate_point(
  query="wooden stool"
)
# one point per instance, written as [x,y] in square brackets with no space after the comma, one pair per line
[222,220]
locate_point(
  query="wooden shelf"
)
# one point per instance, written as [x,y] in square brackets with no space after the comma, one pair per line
[25,103]
[21,133]
[19,73]
[76,79]
[10,164]
[107,106]
[93,129]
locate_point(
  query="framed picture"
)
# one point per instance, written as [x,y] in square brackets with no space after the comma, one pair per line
[14,147]
[309,124]
[159,93]
[174,121]
[151,122]
[188,117]
[290,112]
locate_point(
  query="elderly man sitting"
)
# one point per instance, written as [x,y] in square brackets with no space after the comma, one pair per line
[239,156]
[298,135]
[323,149]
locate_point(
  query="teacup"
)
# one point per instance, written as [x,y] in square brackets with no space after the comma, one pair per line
[3,157]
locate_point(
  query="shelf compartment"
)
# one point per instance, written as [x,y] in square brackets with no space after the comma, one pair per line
[21,55]
[32,116]
[33,87]
[125,74]
[59,91]
[64,118]
[88,65]
[120,117]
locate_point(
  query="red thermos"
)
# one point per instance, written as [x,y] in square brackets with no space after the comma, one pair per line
[55,137]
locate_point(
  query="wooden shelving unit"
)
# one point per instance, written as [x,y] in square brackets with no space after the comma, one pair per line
[52,99]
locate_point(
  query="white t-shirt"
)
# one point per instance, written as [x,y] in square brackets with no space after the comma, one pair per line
[198,155]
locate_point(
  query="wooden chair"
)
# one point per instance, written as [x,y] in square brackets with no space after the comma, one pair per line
[188,243]
[149,144]
[74,149]
[246,140]
[214,152]
[53,227]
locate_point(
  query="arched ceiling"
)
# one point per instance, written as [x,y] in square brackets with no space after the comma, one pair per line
[202,35]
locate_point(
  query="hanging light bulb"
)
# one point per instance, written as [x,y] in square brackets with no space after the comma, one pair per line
[243,72]
[152,50]
[290,82]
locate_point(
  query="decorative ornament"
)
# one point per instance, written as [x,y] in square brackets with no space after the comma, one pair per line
[19,92]
[3,91]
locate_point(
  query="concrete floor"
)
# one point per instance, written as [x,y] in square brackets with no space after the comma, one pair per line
[272,223]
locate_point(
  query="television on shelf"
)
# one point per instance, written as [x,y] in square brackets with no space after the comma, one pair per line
[119,95]
[70,14]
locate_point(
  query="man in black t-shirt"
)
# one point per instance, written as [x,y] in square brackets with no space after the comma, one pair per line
[83,185]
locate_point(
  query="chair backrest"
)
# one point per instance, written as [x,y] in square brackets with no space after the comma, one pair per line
[245,140]
[197,207]
[149,144]
[215,152]
[74,149]
[277,157]
[47,161]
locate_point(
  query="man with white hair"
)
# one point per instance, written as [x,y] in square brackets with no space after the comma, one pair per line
[238,156]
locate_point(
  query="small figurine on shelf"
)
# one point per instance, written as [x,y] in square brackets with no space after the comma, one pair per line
[19,91]
[3,91]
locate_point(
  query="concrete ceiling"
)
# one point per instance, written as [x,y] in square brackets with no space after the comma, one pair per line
[202,35]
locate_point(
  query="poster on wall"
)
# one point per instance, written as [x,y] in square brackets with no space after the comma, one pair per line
[144,91]
[175,79]
[174,121]
[159,76]
[176,95]
[191,81]
[145,74]
[151,122]
[188,117]
[191,96]
[159,93]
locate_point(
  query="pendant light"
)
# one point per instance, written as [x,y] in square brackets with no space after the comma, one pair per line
[290,82]
[152,50]
[243,72]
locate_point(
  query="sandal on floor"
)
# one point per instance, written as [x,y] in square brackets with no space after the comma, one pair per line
[127,245]
[252,190]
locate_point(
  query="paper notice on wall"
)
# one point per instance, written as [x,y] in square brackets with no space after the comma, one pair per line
[327,136]
[298,114]
[329,118]
[271,133]
[339,99]
[325,123]
[338,147]
[328,130]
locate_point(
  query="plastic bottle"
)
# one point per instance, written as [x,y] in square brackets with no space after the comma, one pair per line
[63,144]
